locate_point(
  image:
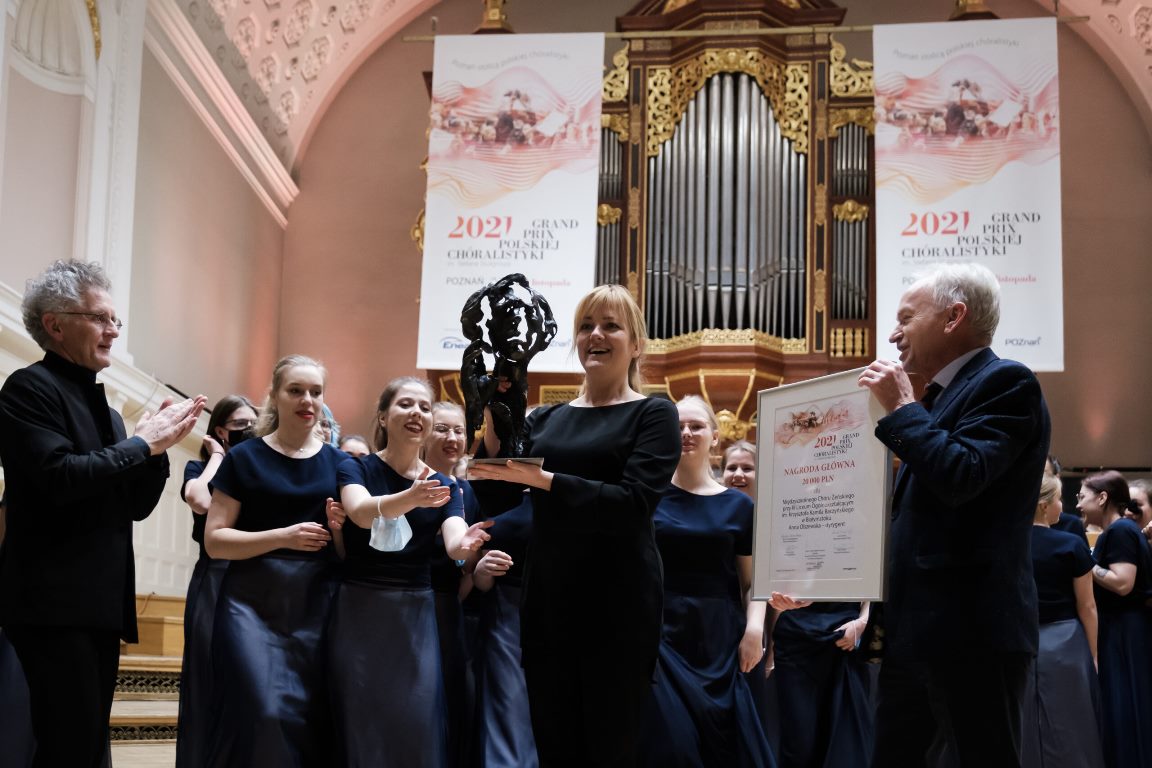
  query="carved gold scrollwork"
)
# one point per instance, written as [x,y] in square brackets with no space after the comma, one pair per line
[617,123]
[865,117]
[821,205]
[731,428]
[633,207]
[820,291]
[616,81]
[719,337]
[672,5]
[850,211]
[607,214]
[417,232]
[853,79]
[671,89]
[94,20]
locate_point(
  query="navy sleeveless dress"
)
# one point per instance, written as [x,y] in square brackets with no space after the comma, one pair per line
[269,698]
[384,665]
[504,727]
[701,712]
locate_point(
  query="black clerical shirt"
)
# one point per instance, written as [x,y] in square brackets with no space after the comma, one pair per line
[74,483]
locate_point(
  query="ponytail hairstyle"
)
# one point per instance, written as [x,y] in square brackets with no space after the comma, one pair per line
[269,420]
[1113,483]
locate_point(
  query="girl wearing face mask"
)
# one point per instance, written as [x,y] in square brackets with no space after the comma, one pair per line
[384,662]
[232,419]
[702,711]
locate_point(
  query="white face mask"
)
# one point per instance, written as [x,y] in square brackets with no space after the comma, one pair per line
[390,534]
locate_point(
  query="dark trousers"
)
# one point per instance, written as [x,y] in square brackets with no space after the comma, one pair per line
[586,710]
[71,676]
[951,714]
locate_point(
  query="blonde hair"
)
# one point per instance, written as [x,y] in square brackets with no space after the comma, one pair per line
[705,406]
[269,419]
[1049,490]
[618,300]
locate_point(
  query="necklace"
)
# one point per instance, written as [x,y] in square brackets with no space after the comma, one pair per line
[290,451]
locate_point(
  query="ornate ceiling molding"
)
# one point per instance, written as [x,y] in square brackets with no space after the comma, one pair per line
[182,54]
[1120,31]
[286,59]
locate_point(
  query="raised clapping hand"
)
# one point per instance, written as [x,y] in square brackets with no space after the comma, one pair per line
[428,493]
[494,563]
[214,448]
[170,424]
[307,537]
[889,384]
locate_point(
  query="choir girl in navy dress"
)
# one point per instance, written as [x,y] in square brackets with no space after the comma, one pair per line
[232,420]
[383,656]
[590,619]
[503,720]
[267,516]
[1062,703]
[738,470]
[701,711]
[1121,578]
[443,451]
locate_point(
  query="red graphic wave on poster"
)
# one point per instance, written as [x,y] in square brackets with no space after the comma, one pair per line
[960,125]
[507,134]
[805,425]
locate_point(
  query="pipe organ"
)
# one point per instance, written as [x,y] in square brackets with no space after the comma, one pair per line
[736,186]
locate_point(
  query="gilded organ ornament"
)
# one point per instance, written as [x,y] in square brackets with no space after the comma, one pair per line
[671,89]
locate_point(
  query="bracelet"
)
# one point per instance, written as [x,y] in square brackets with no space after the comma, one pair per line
[217,453]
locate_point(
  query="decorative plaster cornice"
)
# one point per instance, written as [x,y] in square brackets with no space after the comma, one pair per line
[194,72]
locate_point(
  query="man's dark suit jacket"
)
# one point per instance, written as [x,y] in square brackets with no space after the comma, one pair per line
[74,485]
[960,578]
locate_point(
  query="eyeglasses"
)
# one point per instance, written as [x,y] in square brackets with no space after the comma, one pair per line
[444,430]
[1082,496]
[102,319]
[240,423]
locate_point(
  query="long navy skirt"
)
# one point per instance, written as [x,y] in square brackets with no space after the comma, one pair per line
[701,712]
[826,714]
[384,675]
[1062,702]
[269,698]
[194,726]
[1126,687]
[504,722]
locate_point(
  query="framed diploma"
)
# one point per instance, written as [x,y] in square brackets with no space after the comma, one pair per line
[823,482]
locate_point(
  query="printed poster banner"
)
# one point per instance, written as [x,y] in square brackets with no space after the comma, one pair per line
[968,169]
[513,162]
